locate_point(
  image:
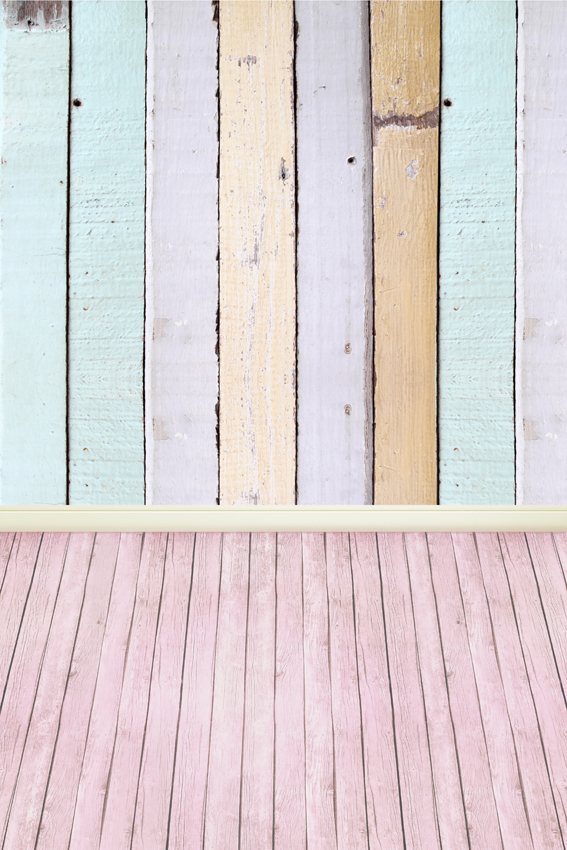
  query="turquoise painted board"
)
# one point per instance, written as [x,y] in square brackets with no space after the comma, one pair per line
[34,48]
[106,255]
[477,253]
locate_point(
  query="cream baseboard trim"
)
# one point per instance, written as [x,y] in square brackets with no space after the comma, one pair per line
[283,518]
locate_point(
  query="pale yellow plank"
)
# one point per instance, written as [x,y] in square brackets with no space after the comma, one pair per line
[257,253]
[405,104]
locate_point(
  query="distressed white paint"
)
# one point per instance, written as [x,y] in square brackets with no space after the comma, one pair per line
[542,280]
[334,254]
[34,84]
[181,254]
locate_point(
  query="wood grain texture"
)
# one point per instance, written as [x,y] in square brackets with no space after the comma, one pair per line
[405,40]
[417,793]
[552,589]
[257,253]
[542,302]
[34,93]
[181,375]
[65,771]
[102,729]
[289,824]
[257,797]
[320,803]
[474,767]
[498,726]
[222,812]
[449,796]
[477,254]
[28,798]
[189,783]
[106,254]
[334,254]
[380,762]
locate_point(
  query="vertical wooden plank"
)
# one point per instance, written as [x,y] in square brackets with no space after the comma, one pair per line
[476,259]
[414,761]
[222,812]
[351,819]
[380,761]
[334,254]
[257,253]
[449,797]
[151,817]
[181,255]
[101,732]
[542,301]
[19,694]
[497,723]
[187,813]
[33,774]
[320,797]
[34,91]
[289,711]
[484,829]
[257,799]
[121,787]
[61,792]
[106,259]
[405,103]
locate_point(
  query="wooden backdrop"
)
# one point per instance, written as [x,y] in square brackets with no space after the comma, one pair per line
[273,252]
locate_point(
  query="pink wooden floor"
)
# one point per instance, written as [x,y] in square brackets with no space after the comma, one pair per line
[291,691]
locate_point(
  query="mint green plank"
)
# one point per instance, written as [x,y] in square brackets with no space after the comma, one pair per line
[477,252]
[34,97]
[106,258]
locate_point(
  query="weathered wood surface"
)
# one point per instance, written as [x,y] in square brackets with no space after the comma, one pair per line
[34,91]
[405,40]
[334,254]
[106,253]
[541,423]
[477,254]
[257,253]
[181,376]
[285,691]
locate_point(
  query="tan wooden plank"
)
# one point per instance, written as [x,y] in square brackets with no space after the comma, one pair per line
[536,787]
[405,40]
[351,822]
[540,660]
[380,762]
[190,777]
[449,800]
[289,774]
[61,794]
[474,766]
[498,730]
[416,781]
[151,819]
[257,253]
[102,728]
[29,791]
[319,756]
[222,812]
[257,800]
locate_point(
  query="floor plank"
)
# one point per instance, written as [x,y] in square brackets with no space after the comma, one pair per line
[7,539]
[552,588]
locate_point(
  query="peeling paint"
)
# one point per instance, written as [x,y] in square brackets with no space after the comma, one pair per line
[159,327]
[159,430]
[529,327]
[411,170]
[31,15]
[429,119]
[530,430]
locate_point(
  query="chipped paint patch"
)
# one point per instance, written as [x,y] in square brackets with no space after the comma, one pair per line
[28,15]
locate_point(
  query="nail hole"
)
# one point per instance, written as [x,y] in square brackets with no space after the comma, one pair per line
[351,160]
[447,102]
[77,102]
[348,409]
[347,348]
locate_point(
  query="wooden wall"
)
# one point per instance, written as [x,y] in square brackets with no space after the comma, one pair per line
[274,252]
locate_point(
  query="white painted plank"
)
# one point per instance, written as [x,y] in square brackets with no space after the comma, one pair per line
[181,254]
[34,91]
[106,253]
[334,254]
[542,220]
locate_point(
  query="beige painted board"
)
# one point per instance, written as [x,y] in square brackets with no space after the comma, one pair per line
[257,253]
[405,39]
